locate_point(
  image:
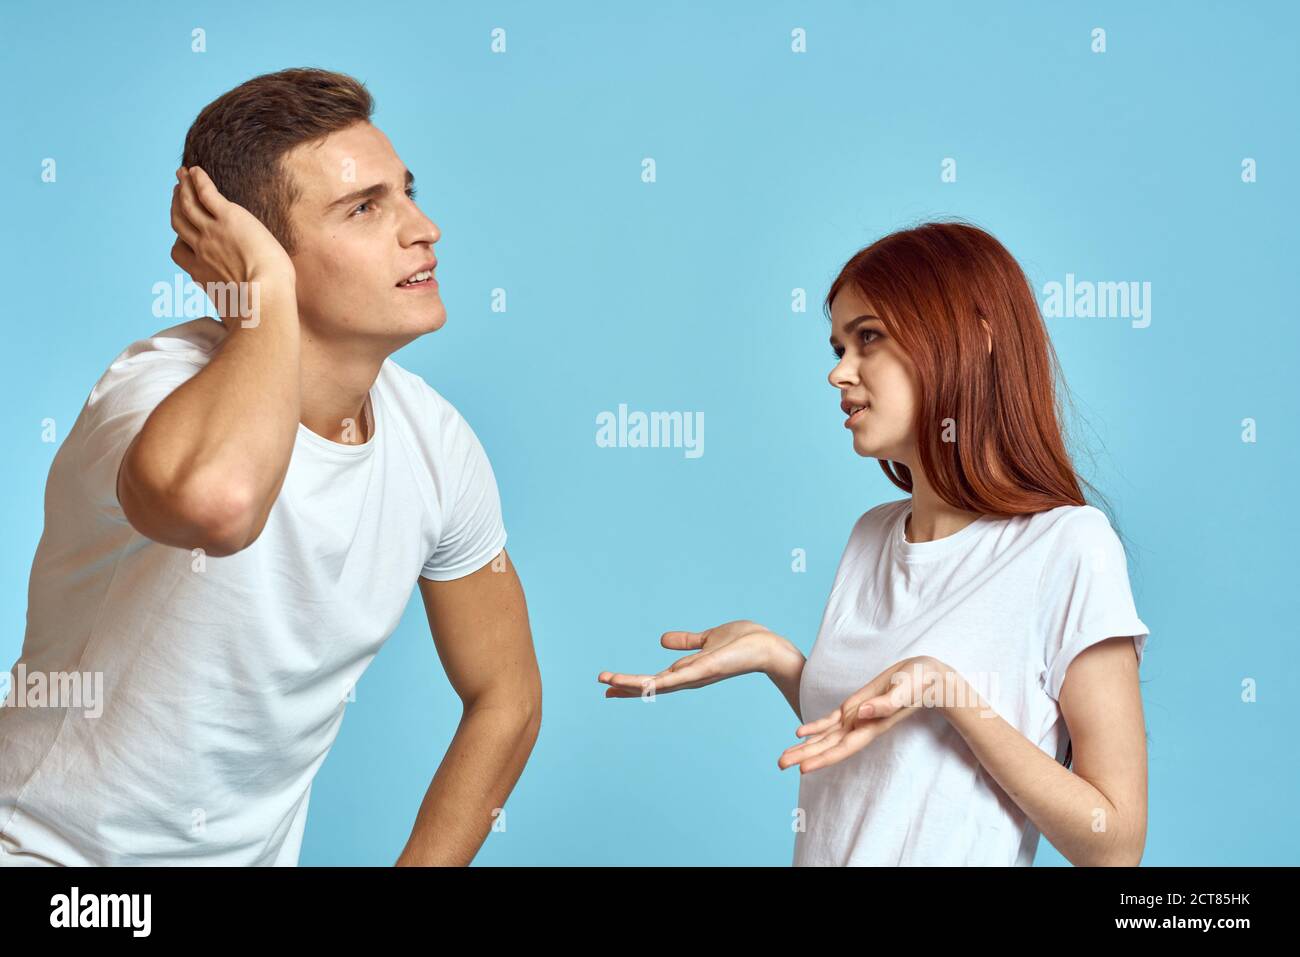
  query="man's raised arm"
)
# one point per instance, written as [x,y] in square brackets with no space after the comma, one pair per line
[208,463]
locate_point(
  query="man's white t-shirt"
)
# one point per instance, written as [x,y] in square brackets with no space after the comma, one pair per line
[224,680]
[1006,602]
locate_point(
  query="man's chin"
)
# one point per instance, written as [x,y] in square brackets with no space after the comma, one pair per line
[424,321]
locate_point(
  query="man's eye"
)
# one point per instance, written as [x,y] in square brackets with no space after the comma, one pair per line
[410,191]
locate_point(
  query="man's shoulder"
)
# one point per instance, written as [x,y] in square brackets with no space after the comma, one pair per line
[411,389]
[195,335]
[175,352]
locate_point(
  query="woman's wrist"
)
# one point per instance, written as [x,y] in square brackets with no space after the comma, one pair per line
[784,666]
[784,661]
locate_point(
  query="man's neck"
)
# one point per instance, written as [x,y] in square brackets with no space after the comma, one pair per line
[334,390]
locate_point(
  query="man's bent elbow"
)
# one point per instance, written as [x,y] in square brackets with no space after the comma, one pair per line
[225,517]
[219,518]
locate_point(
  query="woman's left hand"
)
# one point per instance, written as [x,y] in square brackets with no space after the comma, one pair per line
[885,700]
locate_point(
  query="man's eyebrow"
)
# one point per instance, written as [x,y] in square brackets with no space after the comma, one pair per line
[377,191]
[853,324]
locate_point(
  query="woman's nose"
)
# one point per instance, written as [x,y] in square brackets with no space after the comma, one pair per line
[841,375]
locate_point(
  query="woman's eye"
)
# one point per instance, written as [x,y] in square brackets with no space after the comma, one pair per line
[862,337]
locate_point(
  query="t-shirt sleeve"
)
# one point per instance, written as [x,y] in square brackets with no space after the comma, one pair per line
[115,412]
[1084,596]
[473,532]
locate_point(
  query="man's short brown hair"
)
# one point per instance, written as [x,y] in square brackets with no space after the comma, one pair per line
[241,137]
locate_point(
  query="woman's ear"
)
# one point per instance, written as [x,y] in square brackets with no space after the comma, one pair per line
[988,334]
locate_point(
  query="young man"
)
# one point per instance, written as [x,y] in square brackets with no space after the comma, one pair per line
[234,523]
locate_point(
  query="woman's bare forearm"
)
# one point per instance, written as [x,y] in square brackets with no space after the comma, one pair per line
[1064,807]
[785,668]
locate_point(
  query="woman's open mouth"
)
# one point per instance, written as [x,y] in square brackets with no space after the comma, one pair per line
[855,416]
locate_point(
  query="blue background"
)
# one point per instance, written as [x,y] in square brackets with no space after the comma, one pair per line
[773,168]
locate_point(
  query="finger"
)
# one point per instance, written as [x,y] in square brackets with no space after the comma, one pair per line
[682,640]
[871,690]
[180,222]
[692,676]
[839,750]
[183,256]
[821,724]
[638,684]
[619,680]
[194,210]
[801,752]
[817,737]
[881,706]
[793,750]
[620,693]
[681,663]
[890,681]
[206,192]
[902,694]
[849,745]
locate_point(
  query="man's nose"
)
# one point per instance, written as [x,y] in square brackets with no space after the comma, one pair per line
[421,229]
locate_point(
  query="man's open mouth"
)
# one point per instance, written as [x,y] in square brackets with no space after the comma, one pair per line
[421,278]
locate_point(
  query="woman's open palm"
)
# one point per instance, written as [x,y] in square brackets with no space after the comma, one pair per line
[736,648]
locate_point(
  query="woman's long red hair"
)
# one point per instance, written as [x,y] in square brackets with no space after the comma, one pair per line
[931,285]
[989,433]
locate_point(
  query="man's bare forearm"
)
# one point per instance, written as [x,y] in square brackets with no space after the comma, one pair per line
[469,790]
[210,459]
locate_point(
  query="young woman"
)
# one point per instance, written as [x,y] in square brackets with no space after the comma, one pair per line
[979,633]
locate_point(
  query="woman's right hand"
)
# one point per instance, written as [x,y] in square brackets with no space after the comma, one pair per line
[736,648]
[218,241]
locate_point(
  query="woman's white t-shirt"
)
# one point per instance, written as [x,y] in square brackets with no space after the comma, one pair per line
[1006,602]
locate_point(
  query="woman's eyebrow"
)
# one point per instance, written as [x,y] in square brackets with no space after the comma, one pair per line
[853,324]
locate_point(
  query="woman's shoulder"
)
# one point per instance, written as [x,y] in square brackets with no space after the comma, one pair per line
[1074,521]
[878,518]
[883,512]
[1078,533]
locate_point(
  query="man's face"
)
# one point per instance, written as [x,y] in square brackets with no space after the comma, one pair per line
[359,235]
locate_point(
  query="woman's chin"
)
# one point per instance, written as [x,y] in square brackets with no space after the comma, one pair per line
[868,449]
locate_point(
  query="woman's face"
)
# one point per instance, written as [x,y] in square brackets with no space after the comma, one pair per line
[873,377]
